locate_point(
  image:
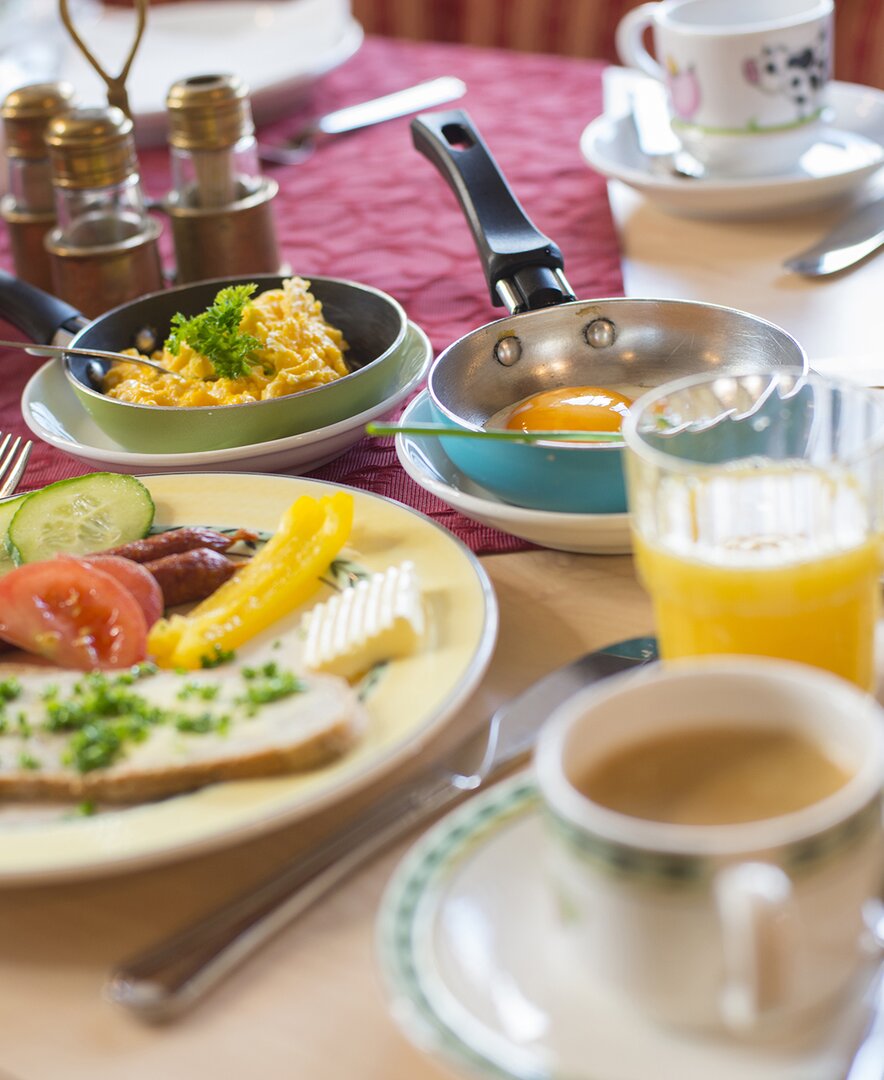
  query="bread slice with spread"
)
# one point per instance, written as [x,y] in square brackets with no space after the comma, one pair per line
[142,734]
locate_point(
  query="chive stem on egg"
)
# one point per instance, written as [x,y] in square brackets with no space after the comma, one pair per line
[442,430]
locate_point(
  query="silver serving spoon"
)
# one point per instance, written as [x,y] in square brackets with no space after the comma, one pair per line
[98,354]
[413,99]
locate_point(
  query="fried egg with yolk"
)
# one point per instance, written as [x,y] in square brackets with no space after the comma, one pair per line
[568,408]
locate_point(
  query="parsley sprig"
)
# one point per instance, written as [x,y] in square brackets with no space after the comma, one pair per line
[215,333]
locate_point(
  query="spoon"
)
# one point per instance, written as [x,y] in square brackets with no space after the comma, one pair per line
[495,435]
[99,354]
[853,239]
[413,99]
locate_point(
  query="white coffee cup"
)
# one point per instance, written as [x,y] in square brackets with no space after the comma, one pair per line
[746,926]
[745,79]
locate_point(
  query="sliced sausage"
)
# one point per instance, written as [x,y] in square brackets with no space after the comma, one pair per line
[176,541]
[191,575]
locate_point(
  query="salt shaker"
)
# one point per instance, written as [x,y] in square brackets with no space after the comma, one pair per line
[103,250]
[220,204]
[28,207]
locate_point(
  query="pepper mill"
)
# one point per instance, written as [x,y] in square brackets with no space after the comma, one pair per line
[28,207]
[103,250]
[220,204]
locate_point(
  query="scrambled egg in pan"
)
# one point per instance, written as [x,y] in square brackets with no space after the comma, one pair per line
[296,350]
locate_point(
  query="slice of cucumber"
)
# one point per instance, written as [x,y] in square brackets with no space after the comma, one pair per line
[7,513]
[80,516]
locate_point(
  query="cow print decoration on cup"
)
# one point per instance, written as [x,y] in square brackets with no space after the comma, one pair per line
[798,76]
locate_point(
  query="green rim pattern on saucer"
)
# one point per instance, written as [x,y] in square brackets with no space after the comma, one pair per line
[448,844]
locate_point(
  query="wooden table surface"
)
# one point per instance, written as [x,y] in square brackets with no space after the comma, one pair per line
[309,1004]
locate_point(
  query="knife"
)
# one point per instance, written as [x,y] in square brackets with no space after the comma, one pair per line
[425,95]
[649,118]
[175,974]
[853,239]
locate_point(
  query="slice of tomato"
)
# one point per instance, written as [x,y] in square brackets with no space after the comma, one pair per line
[139,581]
[72,614]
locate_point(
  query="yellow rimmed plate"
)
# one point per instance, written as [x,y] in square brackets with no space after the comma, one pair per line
[412,699]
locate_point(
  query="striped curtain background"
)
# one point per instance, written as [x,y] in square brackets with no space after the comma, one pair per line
[586,27]
[570,27]
[859,41]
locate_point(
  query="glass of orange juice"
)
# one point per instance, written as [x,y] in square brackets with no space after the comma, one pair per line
[756,508]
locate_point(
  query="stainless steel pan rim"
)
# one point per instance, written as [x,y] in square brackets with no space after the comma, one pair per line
[609,310]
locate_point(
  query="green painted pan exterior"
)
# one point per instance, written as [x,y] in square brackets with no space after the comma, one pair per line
[373,323]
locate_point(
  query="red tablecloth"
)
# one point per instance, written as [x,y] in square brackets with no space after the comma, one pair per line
[370,208]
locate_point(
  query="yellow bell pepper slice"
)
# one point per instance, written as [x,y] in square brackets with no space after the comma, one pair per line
[284,574]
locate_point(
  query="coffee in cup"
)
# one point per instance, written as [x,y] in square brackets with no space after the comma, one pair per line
[725,773]
[745,81]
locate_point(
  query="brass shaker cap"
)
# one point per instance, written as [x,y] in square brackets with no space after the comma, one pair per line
[208,112]
[26,112]
[91,148]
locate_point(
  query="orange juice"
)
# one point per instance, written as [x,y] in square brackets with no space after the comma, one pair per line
[820,611]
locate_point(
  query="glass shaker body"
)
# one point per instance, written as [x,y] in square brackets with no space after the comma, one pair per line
[103,250]
[219,204]
[94,216]
[28,207]
[215,177]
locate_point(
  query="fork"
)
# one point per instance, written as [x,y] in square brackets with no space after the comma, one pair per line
[14,454]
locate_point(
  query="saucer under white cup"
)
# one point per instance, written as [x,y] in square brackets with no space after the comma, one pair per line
[837,168]
[478,974]
[479,950]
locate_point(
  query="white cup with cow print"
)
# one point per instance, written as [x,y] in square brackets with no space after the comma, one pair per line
[745,80]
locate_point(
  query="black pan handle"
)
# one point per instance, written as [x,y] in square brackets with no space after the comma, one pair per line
[36,313]
[523,267]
